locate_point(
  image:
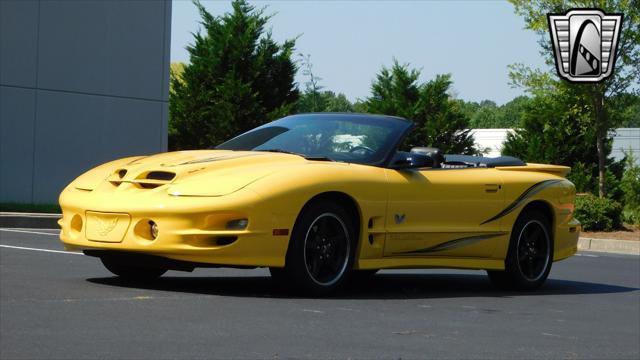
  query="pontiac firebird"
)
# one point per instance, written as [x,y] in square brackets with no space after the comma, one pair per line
[320,199]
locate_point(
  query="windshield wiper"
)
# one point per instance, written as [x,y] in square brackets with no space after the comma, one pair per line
[318,158]
[307,157]
[280,151]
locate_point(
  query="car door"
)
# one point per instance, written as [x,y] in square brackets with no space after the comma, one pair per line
[441,212]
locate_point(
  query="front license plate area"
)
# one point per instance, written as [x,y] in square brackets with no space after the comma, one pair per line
[106,227]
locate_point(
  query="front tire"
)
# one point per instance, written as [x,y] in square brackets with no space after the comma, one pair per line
[131,272]
[530,254]
[321,250]
[277,275]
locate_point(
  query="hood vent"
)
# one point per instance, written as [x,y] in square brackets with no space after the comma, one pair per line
[116,178]
[146,180]
[154,179]
[160,175]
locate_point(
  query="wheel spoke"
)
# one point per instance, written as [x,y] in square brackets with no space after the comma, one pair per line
[313,267]
[522,252]
[540,256]
[534,236]
[531,267]
[324,227]
[333,264]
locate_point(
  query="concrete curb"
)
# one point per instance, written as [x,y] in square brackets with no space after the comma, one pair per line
[29,220]
[610,246]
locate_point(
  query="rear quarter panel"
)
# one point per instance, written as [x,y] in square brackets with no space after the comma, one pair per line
[558,196]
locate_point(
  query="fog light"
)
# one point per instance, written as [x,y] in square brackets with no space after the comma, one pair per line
[76,223]
[153,228]
[238,224]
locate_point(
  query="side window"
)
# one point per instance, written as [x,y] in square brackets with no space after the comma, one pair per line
[406,145]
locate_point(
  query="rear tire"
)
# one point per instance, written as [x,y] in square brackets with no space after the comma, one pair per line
[530,254]
[131,272]
[321,250]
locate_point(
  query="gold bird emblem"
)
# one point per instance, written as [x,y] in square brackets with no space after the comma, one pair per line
[104,226]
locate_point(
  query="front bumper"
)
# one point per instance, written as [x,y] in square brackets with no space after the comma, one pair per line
[191,229]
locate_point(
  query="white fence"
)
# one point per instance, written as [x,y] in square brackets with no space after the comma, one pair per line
[624,139]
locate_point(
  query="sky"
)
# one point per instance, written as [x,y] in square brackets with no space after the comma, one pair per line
[350,41]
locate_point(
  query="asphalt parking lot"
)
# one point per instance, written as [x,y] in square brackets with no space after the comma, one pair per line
[66,306]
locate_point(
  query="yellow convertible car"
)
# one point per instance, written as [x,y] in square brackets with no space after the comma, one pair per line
[320,199]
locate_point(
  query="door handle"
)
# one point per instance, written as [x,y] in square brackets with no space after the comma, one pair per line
[492,188]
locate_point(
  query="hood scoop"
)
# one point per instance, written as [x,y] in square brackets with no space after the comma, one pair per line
[146,180]
[160,175]
[153,179]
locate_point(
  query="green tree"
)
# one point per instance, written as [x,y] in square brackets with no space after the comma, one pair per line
[469,108]
[555,128]
[439,119]
[311,100]
[549,132]
[360,106]
[324,101]
[314,99]
[336,103]
[238,78]
[175,70]
[512,112]
[596,97]
[488,115]
[625,110]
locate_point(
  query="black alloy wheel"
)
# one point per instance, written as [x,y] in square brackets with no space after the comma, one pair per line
[533,250]
[530,254]
[321,250]
[327,248]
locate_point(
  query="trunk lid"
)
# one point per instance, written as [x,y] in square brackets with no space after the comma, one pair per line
[558,170]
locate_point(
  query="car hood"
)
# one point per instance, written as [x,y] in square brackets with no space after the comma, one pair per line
[194,173]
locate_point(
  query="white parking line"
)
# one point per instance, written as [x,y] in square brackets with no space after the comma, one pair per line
[31,229]
[588,255]
[29,232]
[43,250]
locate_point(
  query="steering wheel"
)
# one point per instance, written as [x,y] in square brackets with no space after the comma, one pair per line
[362,147]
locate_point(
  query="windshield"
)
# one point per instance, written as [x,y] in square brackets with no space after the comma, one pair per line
[363,139]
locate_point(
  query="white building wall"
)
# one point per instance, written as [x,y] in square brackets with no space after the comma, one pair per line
[626,140]
[490,140]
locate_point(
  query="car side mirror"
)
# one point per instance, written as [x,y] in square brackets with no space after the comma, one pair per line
[403,160]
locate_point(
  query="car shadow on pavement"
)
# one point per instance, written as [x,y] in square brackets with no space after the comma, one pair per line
[380,286]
